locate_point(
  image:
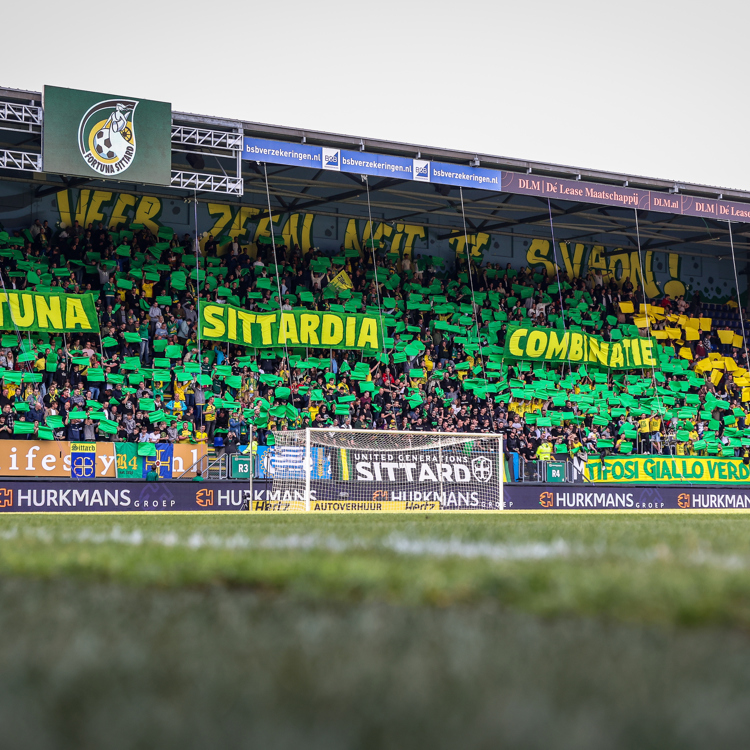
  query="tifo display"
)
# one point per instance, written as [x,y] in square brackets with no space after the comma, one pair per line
[549,345]
[295,328]
[131,336]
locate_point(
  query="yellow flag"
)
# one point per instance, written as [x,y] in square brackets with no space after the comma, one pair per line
[342,281]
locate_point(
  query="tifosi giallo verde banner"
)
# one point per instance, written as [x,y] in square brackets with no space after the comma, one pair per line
[308,328]
[667,470]
[44,311]
[107,136]
[575,347]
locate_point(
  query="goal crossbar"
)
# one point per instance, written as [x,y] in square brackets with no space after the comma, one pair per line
[483,435]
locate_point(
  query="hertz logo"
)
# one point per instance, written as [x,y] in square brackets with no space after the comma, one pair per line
[204,497]
[546,499]
[683,500]
[6,498]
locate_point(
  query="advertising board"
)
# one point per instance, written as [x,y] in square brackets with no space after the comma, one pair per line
[65,496]
[33,459]
[631,498]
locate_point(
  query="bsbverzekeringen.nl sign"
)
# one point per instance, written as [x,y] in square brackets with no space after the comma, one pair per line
[376,165]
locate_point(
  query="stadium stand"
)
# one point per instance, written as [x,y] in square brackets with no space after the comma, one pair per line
[148,378]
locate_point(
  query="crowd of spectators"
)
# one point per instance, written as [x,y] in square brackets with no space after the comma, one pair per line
[148,377]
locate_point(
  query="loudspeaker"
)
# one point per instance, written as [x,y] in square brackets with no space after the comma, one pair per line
[196,161]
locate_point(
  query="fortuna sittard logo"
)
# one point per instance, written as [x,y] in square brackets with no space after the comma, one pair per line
[106,136]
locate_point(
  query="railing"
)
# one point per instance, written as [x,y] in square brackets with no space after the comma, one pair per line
[547,471]
[21,160]
[16,116]
[189,136]
[210,468]
[209,182]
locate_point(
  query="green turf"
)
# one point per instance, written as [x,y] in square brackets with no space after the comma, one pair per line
[195,631]
[684,570]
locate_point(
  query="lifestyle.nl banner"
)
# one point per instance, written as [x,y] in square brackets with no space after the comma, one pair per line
[306,328]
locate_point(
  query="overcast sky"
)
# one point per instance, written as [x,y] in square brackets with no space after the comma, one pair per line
[647,88]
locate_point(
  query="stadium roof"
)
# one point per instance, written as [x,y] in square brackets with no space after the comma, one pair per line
[512,211]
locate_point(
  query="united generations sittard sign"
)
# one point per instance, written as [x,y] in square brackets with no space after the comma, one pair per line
[102,135]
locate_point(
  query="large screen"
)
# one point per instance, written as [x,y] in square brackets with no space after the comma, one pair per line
[88,134]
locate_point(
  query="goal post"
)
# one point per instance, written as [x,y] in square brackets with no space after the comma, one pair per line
[322,469]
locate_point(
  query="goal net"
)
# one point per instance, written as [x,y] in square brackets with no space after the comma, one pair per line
[334,469]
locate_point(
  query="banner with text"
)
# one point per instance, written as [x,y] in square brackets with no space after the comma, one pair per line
[52,458]
[557,346]
[521,183]
[73,496]
[129,463]
[377,165]
[83,460]
[633,499]
[63,496]
[668,470]
[625,197]
[464,176]
[44,311]
[307,328]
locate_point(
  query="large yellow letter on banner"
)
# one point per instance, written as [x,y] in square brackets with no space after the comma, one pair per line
[514,345]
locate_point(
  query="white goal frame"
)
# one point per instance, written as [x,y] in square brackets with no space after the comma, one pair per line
[453,436]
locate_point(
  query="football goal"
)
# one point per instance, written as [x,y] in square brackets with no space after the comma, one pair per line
[355,470]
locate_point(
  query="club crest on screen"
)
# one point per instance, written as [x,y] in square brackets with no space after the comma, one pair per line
[106,136]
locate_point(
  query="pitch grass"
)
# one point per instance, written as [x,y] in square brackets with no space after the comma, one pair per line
[677,569]
[565,631]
